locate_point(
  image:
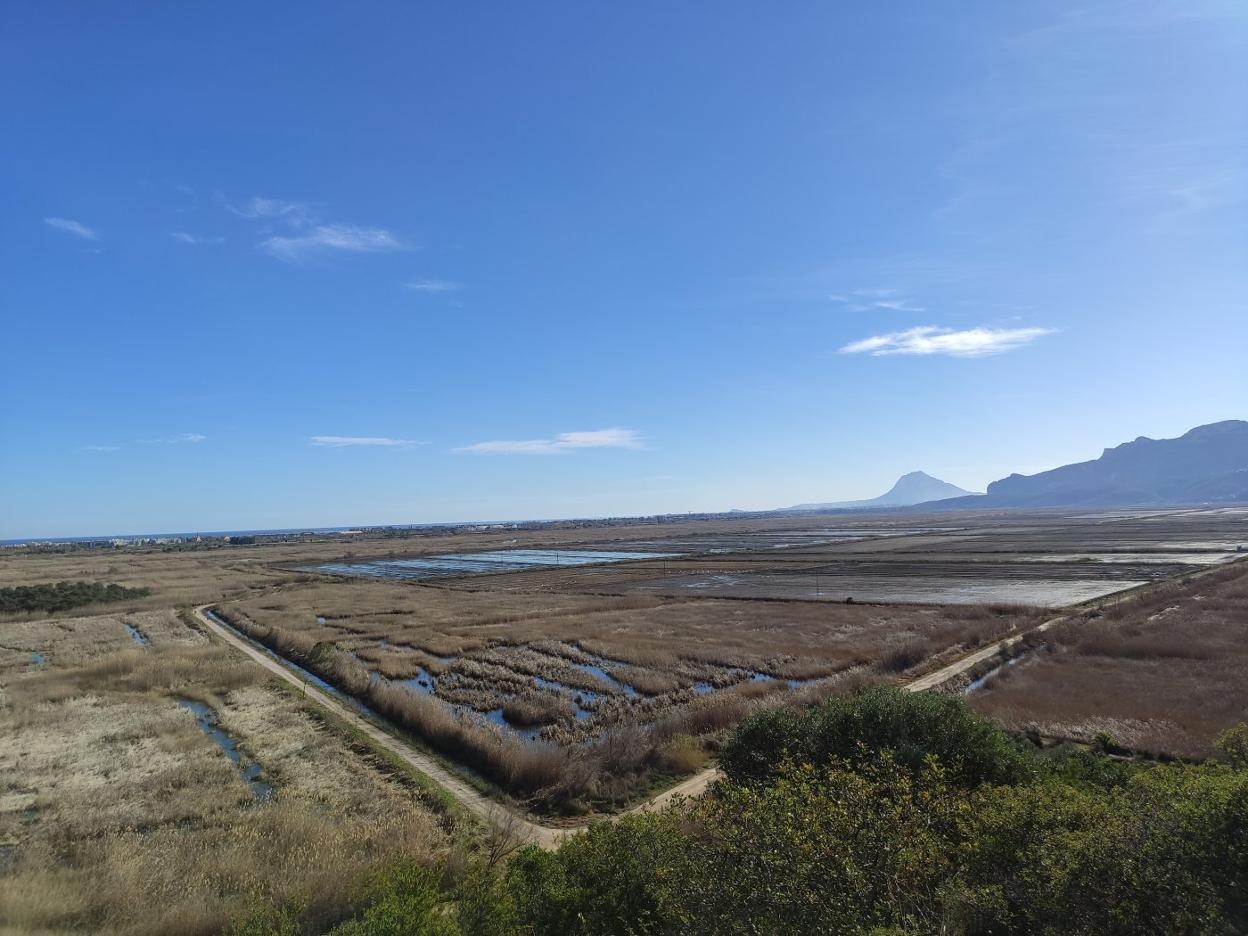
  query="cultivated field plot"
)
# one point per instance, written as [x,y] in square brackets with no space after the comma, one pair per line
[1162,673]
[153,782]
[503,560]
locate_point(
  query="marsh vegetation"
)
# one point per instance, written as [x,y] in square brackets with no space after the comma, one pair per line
[119,814]
[1163,673]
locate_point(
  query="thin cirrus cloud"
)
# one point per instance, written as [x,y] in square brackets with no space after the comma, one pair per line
[930,339]
[307,235]
[323,237]
[349,441]
[890,300]
[69,226]
[433,286]
[563,444]
[292,212]
[195,240]
[181,438]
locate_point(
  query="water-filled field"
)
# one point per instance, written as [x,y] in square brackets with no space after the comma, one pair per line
[503,560]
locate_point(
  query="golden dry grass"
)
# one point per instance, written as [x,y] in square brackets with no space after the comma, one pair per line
[1161,674]
[119,815]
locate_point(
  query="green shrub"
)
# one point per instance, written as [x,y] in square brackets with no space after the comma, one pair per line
[609,880]
[1232,744]
[61,596]
[911,726]
[405,901]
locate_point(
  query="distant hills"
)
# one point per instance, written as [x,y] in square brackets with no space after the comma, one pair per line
[1208,464]
[917,487]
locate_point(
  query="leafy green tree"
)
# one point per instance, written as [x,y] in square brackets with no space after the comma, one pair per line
[61,596]
[824,849]
[911,726]
[610,880]
[406,900]
[1165,853]
[1232,744]
[483,904]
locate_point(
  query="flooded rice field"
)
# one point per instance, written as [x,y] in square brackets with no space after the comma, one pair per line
[505,560]
[889,589]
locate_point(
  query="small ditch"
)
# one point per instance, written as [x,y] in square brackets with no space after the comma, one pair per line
[136,635]
[978,683]
[210,725]
[306,675]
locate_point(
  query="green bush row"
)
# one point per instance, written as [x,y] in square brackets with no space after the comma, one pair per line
[61,596]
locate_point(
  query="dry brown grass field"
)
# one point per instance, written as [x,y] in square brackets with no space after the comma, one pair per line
[118,814]
[576,700]
[576,688]
[1161,674]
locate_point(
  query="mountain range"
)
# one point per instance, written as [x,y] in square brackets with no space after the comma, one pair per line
[1208,464]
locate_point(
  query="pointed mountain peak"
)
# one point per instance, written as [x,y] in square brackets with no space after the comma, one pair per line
[915,487]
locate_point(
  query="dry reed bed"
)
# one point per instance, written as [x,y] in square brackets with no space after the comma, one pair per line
[126,818]
[1162,673]
[661,649]
[785,639]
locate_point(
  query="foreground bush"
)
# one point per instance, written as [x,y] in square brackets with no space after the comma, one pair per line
[893,841]
[911,726]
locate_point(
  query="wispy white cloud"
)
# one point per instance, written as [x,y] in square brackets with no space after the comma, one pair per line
[930,339]
[324,237]
[347,441]
[195,239]
[77,228]
[433,286]
[889,299]
[562,444]
[179,439]
[305,234]
[292,212]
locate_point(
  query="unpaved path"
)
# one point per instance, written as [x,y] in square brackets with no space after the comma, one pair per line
[469,797]
[958,667]
[492,812]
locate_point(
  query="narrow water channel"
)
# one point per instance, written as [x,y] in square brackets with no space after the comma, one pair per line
[210,725]
[977,684]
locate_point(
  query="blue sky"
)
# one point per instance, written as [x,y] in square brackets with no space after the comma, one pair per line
[388,263]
